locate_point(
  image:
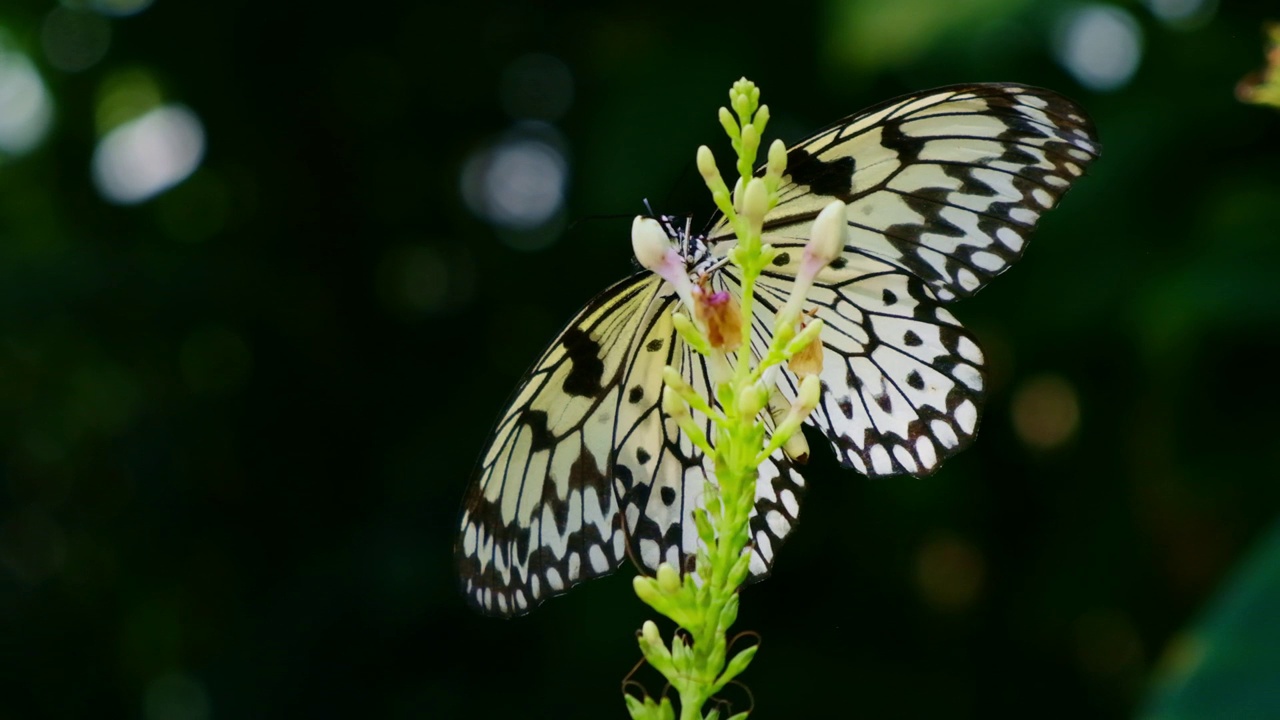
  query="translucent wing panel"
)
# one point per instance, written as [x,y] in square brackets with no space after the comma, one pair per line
[540,515]
[945,184]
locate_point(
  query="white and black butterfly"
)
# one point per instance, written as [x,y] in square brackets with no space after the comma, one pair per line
[943,189]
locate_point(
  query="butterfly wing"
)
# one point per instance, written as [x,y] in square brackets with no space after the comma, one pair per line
[942,188]
[541,515]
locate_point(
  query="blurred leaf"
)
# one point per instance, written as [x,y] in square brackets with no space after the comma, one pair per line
[1226,666]
[869,34]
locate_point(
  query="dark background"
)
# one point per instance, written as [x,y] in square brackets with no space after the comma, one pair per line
[237,420]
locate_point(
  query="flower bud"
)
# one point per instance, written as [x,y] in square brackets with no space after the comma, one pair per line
[777,159]
[654,252]
[761,118]
[707,167]
[795,446]
[690,333]
[649,631]
[750,139]
[672,405]
[827,239]
[756,202]
[809,395]
[829,236]
[729,124]
[753,400]
[668,579]
[649,242]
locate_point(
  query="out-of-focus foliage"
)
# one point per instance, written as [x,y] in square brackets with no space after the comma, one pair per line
[1263,87]
[268,272]
[1225,667]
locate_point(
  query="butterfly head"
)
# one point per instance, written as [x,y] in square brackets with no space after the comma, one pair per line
[693,248]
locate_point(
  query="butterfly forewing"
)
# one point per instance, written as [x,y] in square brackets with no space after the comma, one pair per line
[541,514]
[946,184]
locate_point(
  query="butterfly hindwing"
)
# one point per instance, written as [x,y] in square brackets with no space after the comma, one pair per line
[902,380]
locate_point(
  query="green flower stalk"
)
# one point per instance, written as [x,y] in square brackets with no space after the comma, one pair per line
[704,603]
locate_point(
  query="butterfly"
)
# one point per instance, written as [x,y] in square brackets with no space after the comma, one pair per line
[943,189]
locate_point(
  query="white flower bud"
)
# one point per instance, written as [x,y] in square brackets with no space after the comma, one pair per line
[649,242]
[654,251]
[829,235]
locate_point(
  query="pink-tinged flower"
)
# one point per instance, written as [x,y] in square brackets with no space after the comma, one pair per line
[654,252]
[720,316]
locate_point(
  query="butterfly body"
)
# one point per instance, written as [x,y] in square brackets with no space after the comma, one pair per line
[942,190]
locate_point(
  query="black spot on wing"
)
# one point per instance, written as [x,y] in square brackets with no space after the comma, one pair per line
[907,147]
[635,395]
[834,178]
[535,421]
[586,369]
[914,380]
[654,345]
[846,407]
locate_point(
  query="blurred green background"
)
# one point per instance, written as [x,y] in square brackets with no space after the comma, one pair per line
[268,272]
